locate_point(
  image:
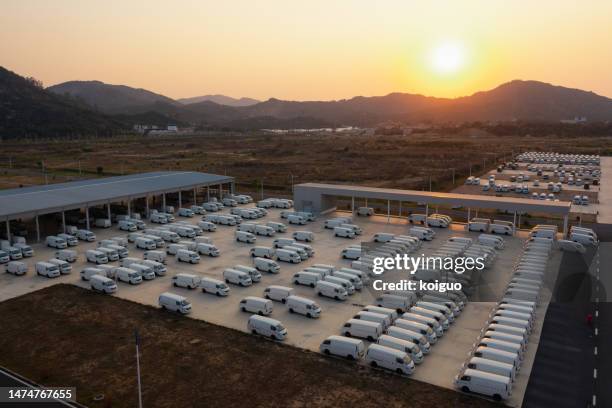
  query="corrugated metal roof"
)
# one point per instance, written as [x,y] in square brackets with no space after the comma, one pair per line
[44,199]
[308,191]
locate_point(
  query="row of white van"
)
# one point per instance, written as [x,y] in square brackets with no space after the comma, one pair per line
[498,353]
[495,227]
[62,241]
[51,268]
[15,250]
[275,203]
[433,220]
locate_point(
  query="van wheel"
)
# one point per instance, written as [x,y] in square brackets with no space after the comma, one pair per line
[370,339]
[273,337]
[174,284]
[347,334]
[283,301]
[399,371]
[465,389]
[291,310]
[296,282]
[350,357]
[336,298]
[326,351]
[260,313]
[268,297]
[374,364]
[254,331]
[308,315]
[312,285]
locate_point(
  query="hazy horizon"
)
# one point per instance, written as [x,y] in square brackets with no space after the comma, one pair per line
[304,51]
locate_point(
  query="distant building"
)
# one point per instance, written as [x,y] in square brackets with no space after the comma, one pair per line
[172,128]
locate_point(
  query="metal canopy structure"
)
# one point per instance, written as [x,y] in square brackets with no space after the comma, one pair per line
[45,199]
[321,197]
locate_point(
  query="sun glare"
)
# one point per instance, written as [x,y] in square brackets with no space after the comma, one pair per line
[447,58]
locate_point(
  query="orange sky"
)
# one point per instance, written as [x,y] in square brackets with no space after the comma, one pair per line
[309,49]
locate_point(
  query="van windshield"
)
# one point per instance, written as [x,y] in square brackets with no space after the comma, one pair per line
[184,303]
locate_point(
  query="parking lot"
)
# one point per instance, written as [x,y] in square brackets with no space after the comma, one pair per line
[439,367]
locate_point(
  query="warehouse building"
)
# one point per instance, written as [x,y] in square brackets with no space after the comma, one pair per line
[147,189]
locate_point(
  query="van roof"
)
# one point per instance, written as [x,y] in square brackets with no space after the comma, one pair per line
[387,350]
[265,319]
[172,296]
[487,376]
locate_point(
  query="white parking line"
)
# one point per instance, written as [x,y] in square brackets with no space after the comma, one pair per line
[595,350]
[596,331]
[594,400]
[595,373]
[597,313]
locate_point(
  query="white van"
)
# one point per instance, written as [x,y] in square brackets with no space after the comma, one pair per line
[253,273]
[511,338]
[128,275]
[389,358]
[282,242]
[383,237]
[207,226]
[278,226]
[157,256]
[344,232]
[306,278]
[417,327]
[429,321]
[514,348]
[67,255]
[96,257]
[362,329]
[266,265]
[307,236]
[278,293]
[71,240]
[17,268]
[47,269]
[384,320]
[304,306]
[492,366]
[237,277]
[111,254]
[352,349]
[253,304]
[214,286]
[331,290]
[410,335]
[571,246]
[424,234]
[438,307]
[88,272]
[439,317]
[355,281]
[395,302]
[345,283]
[261,251]
[102,223]
[286,255]
[264,230]
[185,212]
[185,255]
[365,211]
[266,326]
[127,225]
[186,280]
[207,249]
[102,284]
[514,331]
[586,240]
[403,345]
[247,237]
[175,303]
[300,251]
[56,242]
[85,235]
[296,219]
[498,355]
[173,249]
[355,272]
[391,313]
[352,252]
[145,243]
[479,224]
[481,382]
[542,233]
[64,267]
[501,229]
[491,241]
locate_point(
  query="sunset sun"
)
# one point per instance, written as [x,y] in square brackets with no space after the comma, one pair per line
[448,57]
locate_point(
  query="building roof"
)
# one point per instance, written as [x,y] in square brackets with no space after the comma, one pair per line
[50,198]
[310,190]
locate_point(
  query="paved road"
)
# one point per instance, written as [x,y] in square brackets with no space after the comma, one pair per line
[8,379]
[573,366]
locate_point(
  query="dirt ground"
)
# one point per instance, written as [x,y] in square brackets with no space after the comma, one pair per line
[67,336]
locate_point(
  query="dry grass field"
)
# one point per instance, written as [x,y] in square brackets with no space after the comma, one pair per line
[383,161]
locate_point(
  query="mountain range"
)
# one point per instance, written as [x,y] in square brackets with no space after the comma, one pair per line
[93,106]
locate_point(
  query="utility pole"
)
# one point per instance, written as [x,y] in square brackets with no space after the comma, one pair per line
[430,182]
[137,339]
[262,190]
[291,183]
[453,169]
